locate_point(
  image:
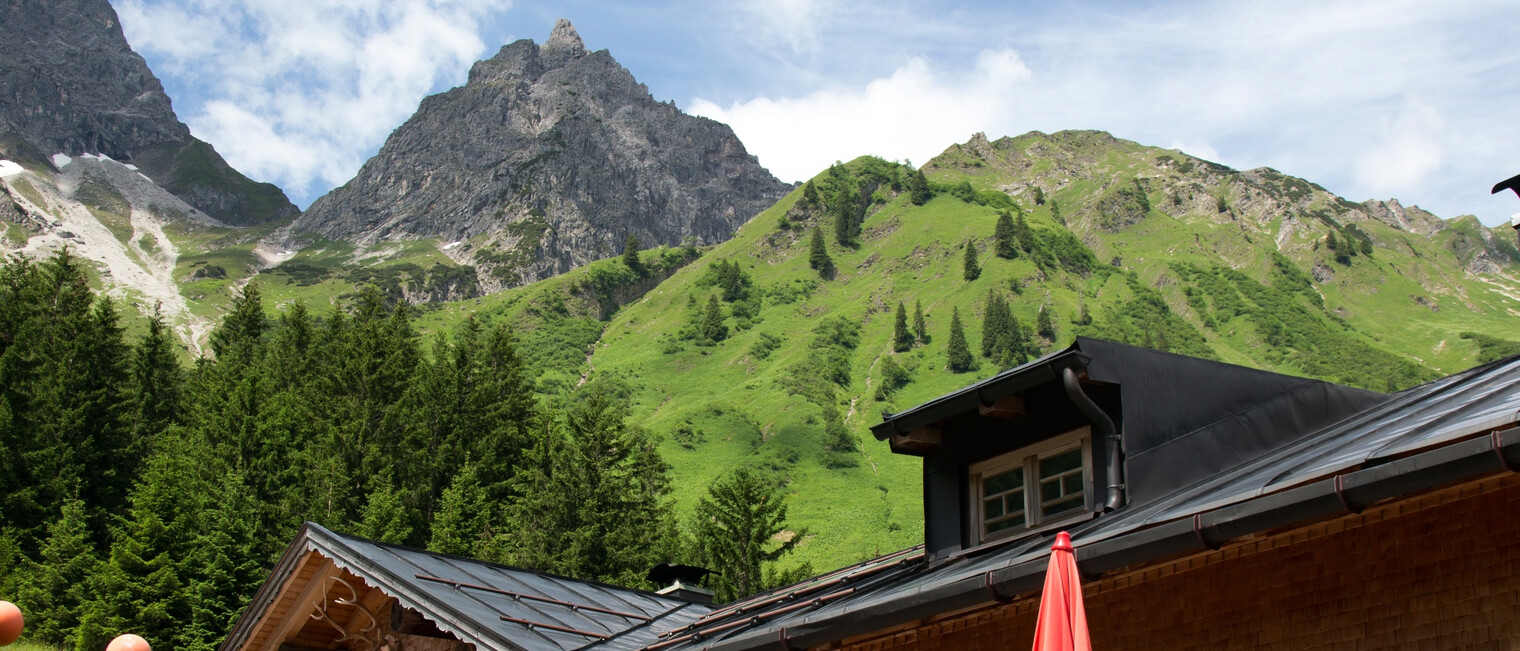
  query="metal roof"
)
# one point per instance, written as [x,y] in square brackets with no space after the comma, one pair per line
[493,606]
[1456,428]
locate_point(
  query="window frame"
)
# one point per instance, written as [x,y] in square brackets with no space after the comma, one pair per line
[1028,458]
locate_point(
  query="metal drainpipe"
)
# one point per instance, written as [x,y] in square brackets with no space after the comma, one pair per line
[1107,431]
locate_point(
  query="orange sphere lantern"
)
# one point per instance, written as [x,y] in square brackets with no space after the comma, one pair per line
[128,642]
[11,623]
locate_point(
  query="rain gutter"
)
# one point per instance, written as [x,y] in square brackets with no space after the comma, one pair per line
[1347,492]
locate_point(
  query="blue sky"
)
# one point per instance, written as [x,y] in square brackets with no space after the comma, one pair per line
[1418,101]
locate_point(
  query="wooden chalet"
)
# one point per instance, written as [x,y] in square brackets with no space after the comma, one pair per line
[1211,506]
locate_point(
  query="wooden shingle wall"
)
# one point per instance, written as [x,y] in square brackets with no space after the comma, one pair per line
[1436,571]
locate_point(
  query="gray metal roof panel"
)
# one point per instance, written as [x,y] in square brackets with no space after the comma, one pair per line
[1438,413]
[474,614]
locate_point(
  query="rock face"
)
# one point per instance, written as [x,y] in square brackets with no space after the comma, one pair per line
[548,158]
[70,83]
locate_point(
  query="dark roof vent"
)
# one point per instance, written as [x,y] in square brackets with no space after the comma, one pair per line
[681,582]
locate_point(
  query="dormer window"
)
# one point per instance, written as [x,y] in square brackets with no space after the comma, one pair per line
[1035,486]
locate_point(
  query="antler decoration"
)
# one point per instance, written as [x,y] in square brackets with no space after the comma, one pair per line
[370,636]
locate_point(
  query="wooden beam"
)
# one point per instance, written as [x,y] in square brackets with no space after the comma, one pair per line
[920,438]
[301,608]
[1004,407]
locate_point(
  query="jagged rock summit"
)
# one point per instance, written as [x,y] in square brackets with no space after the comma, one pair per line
[546,159]
[72,85]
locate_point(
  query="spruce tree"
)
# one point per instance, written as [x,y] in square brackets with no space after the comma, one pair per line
[735,526]
[590,500]
[463,516]
[631,256]
[818,256]
[920,330]
[844,207]
[995,325]
[918,188]
[809,195]
[1023,234]
[52,590]
[1006,245]
[960,359]
[711,328]
[969,267]
[902,340]
[1044,324]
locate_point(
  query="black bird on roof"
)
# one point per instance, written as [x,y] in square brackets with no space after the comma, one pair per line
[1511,183]
[669,573]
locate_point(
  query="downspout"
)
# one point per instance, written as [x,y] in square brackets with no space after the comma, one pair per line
[1106,431]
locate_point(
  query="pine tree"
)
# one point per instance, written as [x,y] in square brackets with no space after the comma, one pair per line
[711,328]
[156,386]
[818,256]
[960,359]
[918,188]
[969,268]
[243,328]
[1023,234]
[845,203]
[631,256]
[463,516]
[920,330]
[1006,245]
[809,195]
[52,590]
[384,518]
[902,340]
[590,500]
[1044,324]
[995,325]
[735,526]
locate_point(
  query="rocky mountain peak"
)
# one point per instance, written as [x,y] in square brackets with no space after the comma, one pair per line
[74,86]
[563,39]
[548,158]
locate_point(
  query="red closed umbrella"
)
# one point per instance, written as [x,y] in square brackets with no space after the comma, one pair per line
[1063,620]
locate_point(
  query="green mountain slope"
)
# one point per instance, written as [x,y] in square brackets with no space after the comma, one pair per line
[1136,235]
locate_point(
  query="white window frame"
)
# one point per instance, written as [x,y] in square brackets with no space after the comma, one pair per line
[1028,458]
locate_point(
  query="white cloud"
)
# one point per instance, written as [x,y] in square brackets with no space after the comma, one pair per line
[1406,98]
[299,92]
[1410,150]
[914,113]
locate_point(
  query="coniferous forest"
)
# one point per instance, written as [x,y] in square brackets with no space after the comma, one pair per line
[141,495]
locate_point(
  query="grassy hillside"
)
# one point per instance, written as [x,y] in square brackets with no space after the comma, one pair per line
[745,354]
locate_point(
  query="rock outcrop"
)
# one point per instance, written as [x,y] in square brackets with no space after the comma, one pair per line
[547,158]
[70,83]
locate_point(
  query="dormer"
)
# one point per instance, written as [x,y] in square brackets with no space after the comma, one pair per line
[1093,428]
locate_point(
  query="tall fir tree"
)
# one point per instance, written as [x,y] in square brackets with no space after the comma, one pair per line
[52,590]
[970,269]
[1007,245]
[959,353]
[845,205]
[1023,235]
[710,328]
[920,329]
[902,340]
[590,501]
[464,516]
[809,195]
[995,324]
[918,188]
[1044,324]
[818,255]
[631,256]
[736,527]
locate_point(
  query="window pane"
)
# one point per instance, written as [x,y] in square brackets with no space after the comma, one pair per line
[992,508]
[1050,490]
[1055,465]
[1016,520]
[1074,483]
[1003,482]
[1072,503]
